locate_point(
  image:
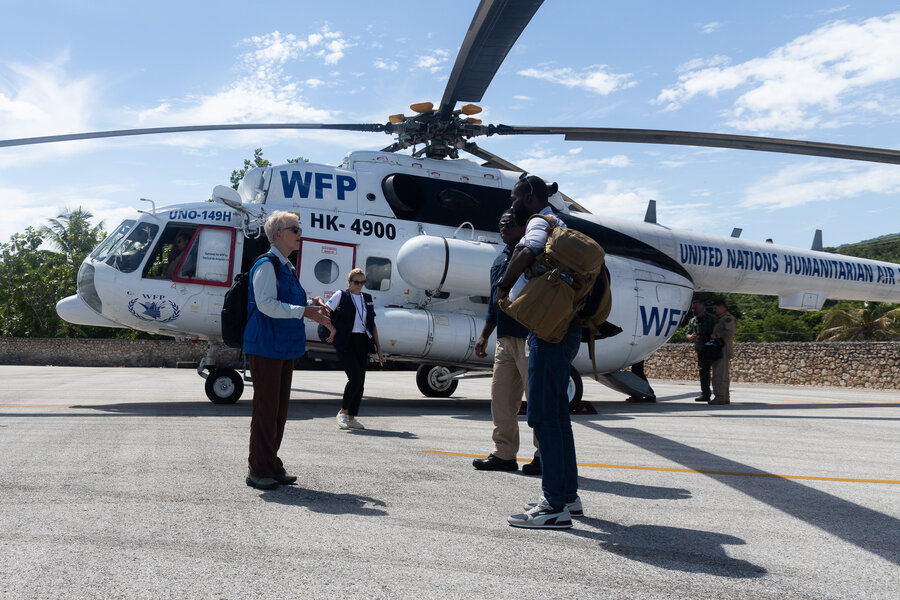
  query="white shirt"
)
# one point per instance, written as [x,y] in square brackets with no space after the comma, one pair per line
[359,321]
[265,291]
[535,239]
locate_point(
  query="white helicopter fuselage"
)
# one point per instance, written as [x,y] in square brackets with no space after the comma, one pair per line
[425,233]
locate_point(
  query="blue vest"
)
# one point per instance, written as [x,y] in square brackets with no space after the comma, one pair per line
[276,338]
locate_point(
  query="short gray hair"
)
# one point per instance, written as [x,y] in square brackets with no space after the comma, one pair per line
[276,222]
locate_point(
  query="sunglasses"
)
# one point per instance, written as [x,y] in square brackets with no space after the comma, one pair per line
[504,224]
[293,228]
[357,281]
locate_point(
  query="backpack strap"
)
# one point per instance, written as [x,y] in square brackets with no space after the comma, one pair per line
[275,266]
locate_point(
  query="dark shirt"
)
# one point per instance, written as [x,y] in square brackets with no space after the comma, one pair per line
[506,325]
[703,327]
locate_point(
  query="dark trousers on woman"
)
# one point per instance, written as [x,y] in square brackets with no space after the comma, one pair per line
[271,398]
[354,359]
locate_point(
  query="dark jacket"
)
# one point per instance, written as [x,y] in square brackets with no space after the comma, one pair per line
[506,325]
[703,327]
[343,316]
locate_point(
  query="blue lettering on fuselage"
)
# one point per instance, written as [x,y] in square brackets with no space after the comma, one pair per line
[660,324]
[302,182]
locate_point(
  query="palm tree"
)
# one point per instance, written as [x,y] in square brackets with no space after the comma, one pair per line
[874,321]
[72,234]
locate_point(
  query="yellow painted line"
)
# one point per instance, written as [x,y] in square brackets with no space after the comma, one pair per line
[703,471]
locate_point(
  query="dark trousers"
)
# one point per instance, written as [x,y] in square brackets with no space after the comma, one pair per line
[354,359]
[271,398]
[704,367]
[548,414]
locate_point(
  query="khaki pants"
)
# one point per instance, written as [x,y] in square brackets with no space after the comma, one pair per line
[509,382]
[721,378]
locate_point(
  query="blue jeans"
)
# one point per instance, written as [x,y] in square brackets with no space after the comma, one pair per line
[548,413]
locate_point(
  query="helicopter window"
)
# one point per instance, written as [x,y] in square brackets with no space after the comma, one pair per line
[442,202]
[171,248]
[209,257]
[103,250]
[378,274]
[479,300]
[327,271]
[130,253]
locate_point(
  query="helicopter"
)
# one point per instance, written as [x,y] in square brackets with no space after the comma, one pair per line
[421,222]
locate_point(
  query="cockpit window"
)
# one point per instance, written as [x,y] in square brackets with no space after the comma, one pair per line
[103,250]
[129,255]
[171,248]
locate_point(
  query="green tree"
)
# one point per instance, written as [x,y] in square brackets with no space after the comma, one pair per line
[72,234]
[874,321]
[257,161]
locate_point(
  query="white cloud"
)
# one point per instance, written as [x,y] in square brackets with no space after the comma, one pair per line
[826,70]
[43,99]
[595,79]
[819,182]
[549,165]
[265,92]
[433,62]
[386,65]
[711,27]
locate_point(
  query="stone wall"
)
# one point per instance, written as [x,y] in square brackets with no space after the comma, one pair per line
[846,364]
[67,352]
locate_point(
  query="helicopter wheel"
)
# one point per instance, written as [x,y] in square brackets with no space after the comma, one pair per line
[575,389]
[224,386]
[429,379]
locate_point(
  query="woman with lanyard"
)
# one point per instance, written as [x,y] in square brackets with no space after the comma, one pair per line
[353,315]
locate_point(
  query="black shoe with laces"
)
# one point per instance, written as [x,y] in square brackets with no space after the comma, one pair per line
[492,463]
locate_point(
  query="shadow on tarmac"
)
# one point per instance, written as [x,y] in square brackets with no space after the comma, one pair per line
[671,548]
[630,490]
[863,527]
[325,502]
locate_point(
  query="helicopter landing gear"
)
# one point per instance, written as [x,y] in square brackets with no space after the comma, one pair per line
[224,386]
[575,390]
[435,381]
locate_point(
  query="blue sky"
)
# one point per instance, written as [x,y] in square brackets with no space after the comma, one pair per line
[799,69]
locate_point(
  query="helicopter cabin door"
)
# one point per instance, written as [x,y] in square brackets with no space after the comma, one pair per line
[323,266]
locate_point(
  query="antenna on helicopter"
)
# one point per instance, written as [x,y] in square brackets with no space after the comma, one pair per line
[736,232]
[650,215]
[817,241]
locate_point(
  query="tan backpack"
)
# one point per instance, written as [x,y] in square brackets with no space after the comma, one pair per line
[559,283]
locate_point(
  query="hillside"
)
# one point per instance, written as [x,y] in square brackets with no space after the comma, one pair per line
[886,247]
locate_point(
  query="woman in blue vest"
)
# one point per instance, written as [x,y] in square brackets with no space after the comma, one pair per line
[275,335]
[353,315]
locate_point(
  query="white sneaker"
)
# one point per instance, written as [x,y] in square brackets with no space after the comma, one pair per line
[343,421]
[542,516]
[574,507]
[354,424]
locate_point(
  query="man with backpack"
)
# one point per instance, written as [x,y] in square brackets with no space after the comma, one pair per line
[275,335]
[548,374]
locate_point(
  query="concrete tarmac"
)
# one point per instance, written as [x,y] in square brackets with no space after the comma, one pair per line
[128,483]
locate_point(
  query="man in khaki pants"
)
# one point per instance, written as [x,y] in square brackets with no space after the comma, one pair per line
[724,331]
[510,366]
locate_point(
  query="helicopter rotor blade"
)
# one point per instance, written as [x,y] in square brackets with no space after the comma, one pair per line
[495,27]
[494,161]
[712,140]
[189,128]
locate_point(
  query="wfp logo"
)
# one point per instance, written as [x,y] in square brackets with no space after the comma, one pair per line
[154,308]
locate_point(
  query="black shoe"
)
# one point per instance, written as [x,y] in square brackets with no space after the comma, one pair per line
[701,399]
[262,483]
[285,479]
[533,468]
[492,463]
[640,399]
